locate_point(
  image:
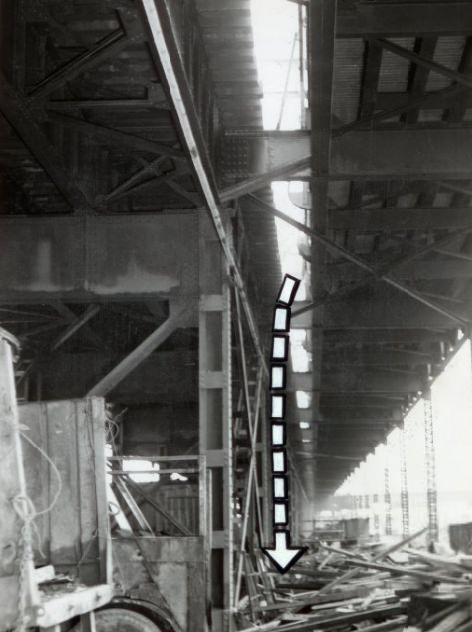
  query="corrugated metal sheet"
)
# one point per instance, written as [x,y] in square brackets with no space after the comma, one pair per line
[448,53]
[348,64]
[394,69]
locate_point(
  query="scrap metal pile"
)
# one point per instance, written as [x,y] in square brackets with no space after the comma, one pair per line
[373,588]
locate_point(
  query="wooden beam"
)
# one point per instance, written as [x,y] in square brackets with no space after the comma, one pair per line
[19,116]
[136,357]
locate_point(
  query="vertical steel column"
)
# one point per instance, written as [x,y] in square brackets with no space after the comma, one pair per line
[252,487]
[404,499]
[357,506]
[387,501]
[375,502]
[215,418]
[430,461]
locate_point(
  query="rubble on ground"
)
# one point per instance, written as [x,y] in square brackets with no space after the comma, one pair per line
[399,588]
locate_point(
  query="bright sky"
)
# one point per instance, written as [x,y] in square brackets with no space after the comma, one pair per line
[452,437]
[275,24]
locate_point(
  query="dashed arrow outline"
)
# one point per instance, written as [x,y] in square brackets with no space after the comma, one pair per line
[281,554]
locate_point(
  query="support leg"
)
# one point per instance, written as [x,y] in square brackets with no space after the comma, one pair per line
[431,494]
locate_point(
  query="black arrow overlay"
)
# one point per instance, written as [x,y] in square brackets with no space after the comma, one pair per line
[282,555]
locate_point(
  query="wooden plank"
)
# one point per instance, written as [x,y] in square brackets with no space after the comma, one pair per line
[37,470]
[74,534]
[64,606]
[332,620]
[88,532]
[44,574]
[350,574]
[12,486]
[65,516]
[401,570]
[97,410]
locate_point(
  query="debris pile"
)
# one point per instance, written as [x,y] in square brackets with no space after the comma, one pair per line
[375,588]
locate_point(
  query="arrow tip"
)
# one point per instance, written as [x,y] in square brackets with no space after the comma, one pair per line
[282,556]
